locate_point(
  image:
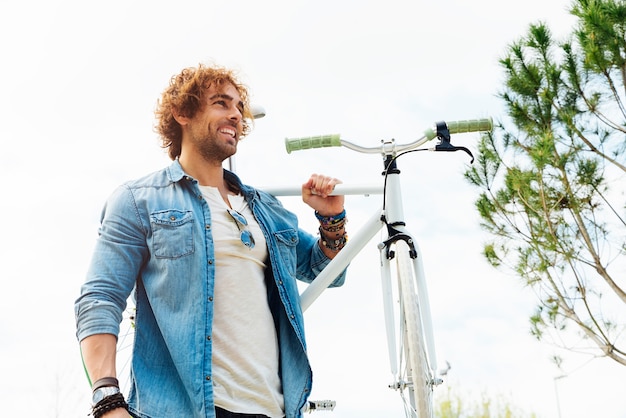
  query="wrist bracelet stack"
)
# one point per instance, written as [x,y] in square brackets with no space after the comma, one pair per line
[113,399]
[108,404]
[330,227]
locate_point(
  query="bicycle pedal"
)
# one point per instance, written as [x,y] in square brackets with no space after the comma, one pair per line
[325,405]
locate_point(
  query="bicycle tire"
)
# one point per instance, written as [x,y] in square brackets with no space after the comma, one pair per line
[413,357]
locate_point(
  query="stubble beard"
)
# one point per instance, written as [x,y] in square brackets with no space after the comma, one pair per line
[213,150]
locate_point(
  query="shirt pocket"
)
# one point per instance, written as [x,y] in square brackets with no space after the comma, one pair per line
[172,233]
[287,241]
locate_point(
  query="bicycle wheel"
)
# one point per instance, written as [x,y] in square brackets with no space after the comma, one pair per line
[413,358]
[125,341]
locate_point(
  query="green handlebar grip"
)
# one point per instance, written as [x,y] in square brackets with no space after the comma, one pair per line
[473,125]
[308,142]
[461,126]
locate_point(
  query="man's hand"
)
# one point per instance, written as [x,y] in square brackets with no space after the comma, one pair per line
[316,193]
[117,413]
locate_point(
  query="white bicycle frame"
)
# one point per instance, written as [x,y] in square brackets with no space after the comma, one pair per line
[392,214]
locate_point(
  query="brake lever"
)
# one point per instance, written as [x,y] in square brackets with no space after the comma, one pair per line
[446,146]
[444,141]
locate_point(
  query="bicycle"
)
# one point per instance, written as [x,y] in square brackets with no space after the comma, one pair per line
[410,337]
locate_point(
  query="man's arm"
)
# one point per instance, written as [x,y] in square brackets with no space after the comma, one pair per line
[99,352]
[316,193]
[117,258]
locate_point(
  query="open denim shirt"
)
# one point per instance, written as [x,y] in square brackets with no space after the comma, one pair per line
[155,238]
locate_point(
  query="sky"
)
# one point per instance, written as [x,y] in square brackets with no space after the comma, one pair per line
[79,86]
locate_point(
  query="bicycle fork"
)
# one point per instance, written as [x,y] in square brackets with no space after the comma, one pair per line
[393,218]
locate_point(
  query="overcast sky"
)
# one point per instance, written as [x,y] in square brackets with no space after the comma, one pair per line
[79,86]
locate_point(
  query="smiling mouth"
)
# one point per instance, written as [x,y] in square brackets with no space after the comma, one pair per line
[229,131]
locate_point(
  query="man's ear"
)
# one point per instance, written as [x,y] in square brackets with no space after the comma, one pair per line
[179,117]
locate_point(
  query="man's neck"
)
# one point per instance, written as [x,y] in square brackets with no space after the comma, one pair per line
[208,173]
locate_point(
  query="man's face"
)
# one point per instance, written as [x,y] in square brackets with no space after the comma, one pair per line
[216,129]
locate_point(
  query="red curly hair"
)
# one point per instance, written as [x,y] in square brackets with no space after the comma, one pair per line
[187,95]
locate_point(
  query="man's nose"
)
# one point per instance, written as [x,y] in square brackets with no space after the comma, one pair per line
[234,113]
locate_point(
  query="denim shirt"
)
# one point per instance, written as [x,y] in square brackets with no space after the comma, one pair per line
[155,238]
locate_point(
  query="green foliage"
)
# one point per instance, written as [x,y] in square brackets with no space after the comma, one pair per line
[451,404]
[551,195]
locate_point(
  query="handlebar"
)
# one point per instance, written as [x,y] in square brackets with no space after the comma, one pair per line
[334,140]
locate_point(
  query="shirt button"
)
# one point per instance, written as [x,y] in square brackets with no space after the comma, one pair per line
[210,261]
[292,316]
[210,298]
[207,226]
[208,378]
[208,337]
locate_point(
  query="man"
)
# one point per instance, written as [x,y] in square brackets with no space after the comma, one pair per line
[212,264]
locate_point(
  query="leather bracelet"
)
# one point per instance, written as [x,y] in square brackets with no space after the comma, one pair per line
[105,381]
[108,404]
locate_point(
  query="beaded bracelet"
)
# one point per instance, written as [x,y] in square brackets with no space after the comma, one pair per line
[333,244]
[335,227]
[330,220]
[108,404]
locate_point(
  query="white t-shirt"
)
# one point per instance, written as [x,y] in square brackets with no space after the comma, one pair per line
[245,344]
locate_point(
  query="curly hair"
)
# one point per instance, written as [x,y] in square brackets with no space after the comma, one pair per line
[186,94]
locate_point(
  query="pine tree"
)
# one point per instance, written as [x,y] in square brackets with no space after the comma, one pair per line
[552,177]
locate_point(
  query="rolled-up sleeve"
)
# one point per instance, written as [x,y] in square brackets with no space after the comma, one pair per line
[119,253]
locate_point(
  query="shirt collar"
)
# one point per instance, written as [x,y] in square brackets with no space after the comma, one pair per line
[176,173]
